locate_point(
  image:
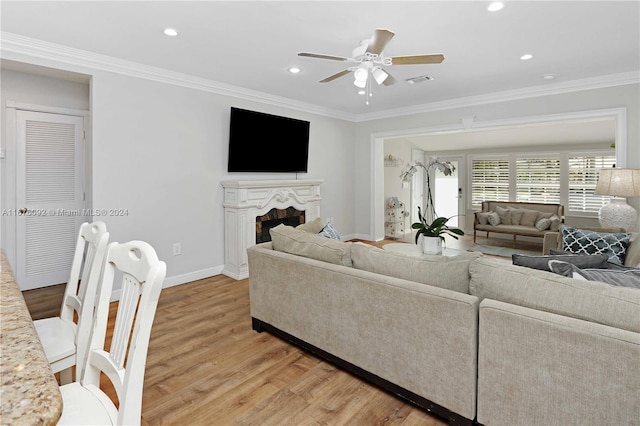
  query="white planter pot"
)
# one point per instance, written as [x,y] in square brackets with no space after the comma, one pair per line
[431,245]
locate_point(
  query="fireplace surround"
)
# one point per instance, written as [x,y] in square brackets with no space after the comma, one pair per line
[244,201]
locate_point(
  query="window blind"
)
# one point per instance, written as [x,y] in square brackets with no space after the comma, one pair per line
[489,181]
[583,177]
[538,180]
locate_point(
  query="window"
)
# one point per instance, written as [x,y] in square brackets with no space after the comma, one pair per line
[489,181]
[583,177]
[538,180]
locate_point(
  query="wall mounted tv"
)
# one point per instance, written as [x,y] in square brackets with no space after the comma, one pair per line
[260,142]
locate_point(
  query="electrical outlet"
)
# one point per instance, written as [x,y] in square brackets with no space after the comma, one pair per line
[177,250]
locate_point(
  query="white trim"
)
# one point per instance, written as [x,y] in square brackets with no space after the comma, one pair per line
[600,82]
[377,146]
[20,45]
[179,280]
[17,44]
[47,109]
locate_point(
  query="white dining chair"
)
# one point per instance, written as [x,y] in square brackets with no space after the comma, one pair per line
[136,265]
[61,336]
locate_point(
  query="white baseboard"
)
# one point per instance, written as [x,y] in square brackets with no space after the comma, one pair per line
[180,279]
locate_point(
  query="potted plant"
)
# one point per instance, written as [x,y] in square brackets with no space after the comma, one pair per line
[433,233]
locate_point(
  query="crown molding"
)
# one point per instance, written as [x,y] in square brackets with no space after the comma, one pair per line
[32,48]
[632,77]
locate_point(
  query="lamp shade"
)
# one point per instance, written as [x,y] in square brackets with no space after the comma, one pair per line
[619,182]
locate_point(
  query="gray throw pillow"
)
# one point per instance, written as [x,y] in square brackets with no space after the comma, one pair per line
[542,262]
[529,217]
[555,223]
[580,241]
[626,278]
[483,218]
[504,214]
[516,216]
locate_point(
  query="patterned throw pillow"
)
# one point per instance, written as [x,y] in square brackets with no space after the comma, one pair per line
[581,241]
[493,219]
[330,232]
[543,224]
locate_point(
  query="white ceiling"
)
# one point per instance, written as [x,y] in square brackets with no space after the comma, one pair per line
[251,44]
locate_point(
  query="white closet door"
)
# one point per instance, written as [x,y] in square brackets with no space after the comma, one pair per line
[49,196]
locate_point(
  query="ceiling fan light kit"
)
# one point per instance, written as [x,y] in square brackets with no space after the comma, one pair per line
[370,60]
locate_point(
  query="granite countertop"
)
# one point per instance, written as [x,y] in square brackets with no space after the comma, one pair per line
[29,392]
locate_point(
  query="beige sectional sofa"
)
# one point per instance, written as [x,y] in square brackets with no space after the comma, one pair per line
[517,218]
[469,338]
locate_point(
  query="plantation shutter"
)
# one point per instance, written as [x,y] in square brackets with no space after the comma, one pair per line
[538,180]
[583,177]
[489,181]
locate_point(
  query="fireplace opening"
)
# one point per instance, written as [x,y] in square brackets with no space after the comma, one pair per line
[289,216]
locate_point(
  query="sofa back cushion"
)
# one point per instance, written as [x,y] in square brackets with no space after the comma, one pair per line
[449,272]
[295,241]
[556,209]
[587,300]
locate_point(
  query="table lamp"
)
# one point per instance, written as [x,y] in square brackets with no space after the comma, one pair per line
[619,183]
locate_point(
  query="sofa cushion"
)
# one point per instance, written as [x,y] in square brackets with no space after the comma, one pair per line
[582,241]
[450,272]
[623,278]
[587,300]
[516,215]
[529,217]
[294,241]
[314,227]
[505,215]
[483,218]
[542,262]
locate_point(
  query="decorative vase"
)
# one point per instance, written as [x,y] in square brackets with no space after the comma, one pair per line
[431,245]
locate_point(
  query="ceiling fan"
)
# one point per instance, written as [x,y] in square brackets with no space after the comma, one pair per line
[369,61]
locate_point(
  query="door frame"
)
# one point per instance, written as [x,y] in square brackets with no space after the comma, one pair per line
[8,170]
[376,164]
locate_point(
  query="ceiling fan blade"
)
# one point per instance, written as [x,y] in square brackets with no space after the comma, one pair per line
[317,55]
[334,76]
[379,41]
[389,80]
[417,59]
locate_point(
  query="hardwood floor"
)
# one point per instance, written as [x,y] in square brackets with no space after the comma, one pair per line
[207,366]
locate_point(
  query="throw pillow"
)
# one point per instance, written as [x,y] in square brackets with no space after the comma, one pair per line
[505,215]
[543,215]
[542,262]
[516,216]
[580,241]
[627,278]
[529,217]
[555,223]
[330,232]
[543,224]
[294,241]
[493,218]
[313,227]
[483,218]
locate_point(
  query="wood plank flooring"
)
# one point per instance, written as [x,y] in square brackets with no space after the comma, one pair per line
[206,366]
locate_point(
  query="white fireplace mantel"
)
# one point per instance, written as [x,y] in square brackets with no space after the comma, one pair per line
[245,200]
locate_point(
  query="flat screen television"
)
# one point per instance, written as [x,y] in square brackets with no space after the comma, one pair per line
[260,142]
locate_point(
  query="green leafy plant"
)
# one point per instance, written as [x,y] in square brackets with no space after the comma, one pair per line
[437,228]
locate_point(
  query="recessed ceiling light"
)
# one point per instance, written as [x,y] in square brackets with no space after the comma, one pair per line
[495,6]
[526,57]
[294,70]
[171,32]
[361,92]
[549,76]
